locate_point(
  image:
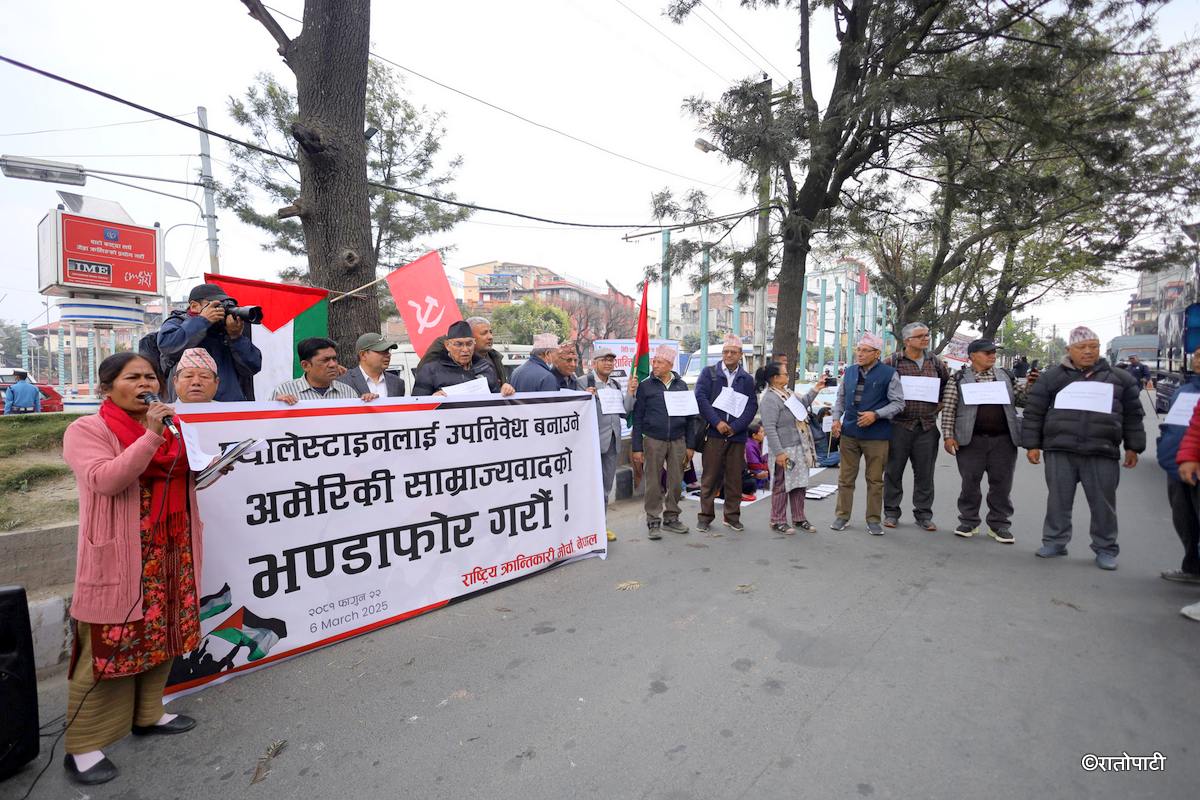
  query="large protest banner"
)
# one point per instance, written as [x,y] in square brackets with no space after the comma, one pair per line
[357,515]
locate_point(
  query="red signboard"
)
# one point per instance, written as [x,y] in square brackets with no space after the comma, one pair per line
[108,255]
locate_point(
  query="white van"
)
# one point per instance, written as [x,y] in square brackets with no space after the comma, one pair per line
[405,360]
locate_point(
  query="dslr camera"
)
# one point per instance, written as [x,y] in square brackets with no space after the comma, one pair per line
[251,314]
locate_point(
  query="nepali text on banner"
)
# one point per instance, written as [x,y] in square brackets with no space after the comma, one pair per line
[351,516]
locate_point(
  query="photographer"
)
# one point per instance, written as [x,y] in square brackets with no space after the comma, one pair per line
[207,324]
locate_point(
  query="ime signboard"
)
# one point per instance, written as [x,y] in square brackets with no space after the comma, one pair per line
[82,254]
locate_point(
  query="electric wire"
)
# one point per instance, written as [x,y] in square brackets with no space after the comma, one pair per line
[266,151]
[517,116]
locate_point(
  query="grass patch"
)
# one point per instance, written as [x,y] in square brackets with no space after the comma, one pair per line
[17,478]
[20,433]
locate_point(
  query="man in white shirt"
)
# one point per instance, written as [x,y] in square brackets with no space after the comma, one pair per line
[371,376]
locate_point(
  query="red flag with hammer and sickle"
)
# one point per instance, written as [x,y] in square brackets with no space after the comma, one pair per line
[425,300]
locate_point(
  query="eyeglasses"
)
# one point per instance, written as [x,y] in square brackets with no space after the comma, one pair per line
[460,343]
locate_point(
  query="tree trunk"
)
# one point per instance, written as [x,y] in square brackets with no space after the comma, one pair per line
[791,287]
[330,62]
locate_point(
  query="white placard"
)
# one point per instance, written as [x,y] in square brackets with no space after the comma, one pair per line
[798,409]
[919,388]
[477,386]
[988,393]
[1182,408]
[680,404]
[731,402]
[611,401]
[827,424]
[1086,396]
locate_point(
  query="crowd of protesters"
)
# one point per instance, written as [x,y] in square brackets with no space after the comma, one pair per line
[137,494]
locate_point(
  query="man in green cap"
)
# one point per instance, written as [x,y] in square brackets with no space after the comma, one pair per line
[371,376]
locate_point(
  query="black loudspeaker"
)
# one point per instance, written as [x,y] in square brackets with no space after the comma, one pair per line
[18,683]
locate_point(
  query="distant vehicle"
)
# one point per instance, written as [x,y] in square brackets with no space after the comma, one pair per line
[691,373]
[1144,346]
[51,399]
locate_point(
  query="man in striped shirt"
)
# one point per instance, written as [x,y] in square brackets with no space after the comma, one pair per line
[318,359]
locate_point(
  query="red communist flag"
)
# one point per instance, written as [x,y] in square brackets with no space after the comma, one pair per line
[424,298]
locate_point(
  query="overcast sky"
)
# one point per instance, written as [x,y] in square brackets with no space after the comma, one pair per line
[591,68]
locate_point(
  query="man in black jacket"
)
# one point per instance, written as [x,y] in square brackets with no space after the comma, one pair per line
[1082,445]
[481,329]
[659,439]
[458,365]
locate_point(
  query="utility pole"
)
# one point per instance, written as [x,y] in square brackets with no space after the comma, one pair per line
[210,206]
[664,321]
[764,229]
[704,309]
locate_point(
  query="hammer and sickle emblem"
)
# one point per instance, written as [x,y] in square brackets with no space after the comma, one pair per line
[424,322]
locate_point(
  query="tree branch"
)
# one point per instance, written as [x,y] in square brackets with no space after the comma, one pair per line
[258,12]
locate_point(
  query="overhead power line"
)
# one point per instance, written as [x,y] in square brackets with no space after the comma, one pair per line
[757,66]
[515,115]
[687,52]
[732,30]
[266,151]
[92,127]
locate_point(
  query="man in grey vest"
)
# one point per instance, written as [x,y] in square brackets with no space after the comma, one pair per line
[982,432]
[608,393]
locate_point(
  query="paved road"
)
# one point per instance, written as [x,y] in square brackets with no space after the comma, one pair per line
[915,665]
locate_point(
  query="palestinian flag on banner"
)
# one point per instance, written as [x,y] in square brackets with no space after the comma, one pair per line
[640,368]
[213,604]
[290,315]
[245,628]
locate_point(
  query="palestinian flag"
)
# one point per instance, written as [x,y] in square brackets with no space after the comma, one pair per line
[290,315]
[243,627]
[213,604]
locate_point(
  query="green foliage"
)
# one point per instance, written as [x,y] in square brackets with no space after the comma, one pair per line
[405,153]
[517,323]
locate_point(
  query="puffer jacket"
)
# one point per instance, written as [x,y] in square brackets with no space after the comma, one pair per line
[1085,433]
[446,372]
[1171,436]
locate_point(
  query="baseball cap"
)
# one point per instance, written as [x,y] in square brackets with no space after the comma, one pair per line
[373,341]
[207,291]
[982,346]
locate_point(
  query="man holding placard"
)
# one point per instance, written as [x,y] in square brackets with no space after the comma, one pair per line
[727,402]
[915,436]
[1184,496]
[1080,412]
[612,405]
[981,430]
[869,395]
[460,371]
[663,410]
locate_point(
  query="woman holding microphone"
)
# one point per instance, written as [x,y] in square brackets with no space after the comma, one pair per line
[791,447]
[135,604]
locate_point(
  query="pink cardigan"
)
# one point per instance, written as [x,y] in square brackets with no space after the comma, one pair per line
[108,565]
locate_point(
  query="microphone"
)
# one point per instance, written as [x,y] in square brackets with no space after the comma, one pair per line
[169,420]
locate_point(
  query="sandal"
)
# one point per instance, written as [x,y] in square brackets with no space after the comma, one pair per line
[806,526]
[783,527]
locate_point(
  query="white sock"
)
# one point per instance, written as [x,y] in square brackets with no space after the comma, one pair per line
[85,761]
[165,718]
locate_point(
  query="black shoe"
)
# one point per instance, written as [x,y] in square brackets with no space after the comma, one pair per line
[702,526]
[181,724]
[890,522]
[103,772]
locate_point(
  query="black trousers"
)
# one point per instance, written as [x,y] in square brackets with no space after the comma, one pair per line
[1185,513]
[921,448]
[995,456]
